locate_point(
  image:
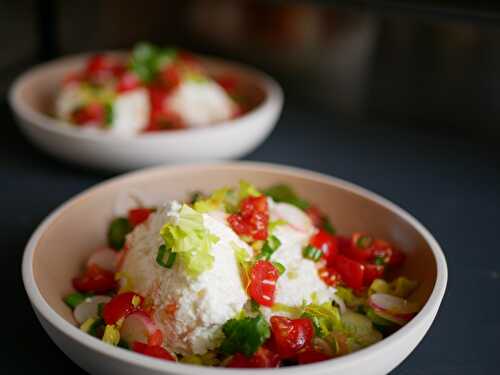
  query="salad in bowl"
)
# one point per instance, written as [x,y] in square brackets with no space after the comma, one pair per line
[241,278]
[152,89]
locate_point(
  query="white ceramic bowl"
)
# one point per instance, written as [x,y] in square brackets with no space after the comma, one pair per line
[49,263]
[32,95]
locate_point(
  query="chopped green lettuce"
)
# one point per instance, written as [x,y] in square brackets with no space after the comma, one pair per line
[190,240]
[360,330]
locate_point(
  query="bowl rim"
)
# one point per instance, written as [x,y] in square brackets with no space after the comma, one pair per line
[272,101]
[41,306]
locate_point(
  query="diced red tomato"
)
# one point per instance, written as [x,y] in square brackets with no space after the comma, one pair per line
[326,242]
[372,272]
[253,218]
[164,120]
[137,216]
[96,280]
[262,286]
[128,81]
[96,64]
[311,356]
[291,335]
[99,66]
[330,276]
[152,351]
[92,114]
[343,244]
[360,250]
[120,306]
[157,97]
[351,271]
[263,358]
[171,77]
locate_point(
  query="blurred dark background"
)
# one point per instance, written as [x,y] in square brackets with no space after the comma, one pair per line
[426,64]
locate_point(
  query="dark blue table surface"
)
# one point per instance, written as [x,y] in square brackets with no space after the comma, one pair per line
[451,183]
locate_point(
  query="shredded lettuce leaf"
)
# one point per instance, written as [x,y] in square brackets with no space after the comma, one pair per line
[216,201]
[360,330]
[247,190]
[325,317]
[190,240]
[400,287]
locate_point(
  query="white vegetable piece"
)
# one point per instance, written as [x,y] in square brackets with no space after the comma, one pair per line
[89,308]
[393,305]
[138,326]
[104,258]
[130,113]
[201,104]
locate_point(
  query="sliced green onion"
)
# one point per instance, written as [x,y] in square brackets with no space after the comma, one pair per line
[281,268]
[312,253]
[108,113]
[364,242]
[270,246]
[74,299]
[163,253]
[118,230]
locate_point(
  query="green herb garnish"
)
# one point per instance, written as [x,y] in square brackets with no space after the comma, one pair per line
[244,335]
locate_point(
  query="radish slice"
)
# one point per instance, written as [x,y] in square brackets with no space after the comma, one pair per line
[393,305]
[294,217]
[105,258]
[138,326]
[89,308]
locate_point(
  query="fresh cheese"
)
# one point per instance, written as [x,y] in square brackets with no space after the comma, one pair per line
[201,103]
[190,312]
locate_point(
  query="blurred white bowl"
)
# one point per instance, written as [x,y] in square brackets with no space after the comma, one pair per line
[32,96]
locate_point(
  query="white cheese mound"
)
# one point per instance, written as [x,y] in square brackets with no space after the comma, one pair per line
[130,113]
[201,104]
[190,312]
[130,110]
